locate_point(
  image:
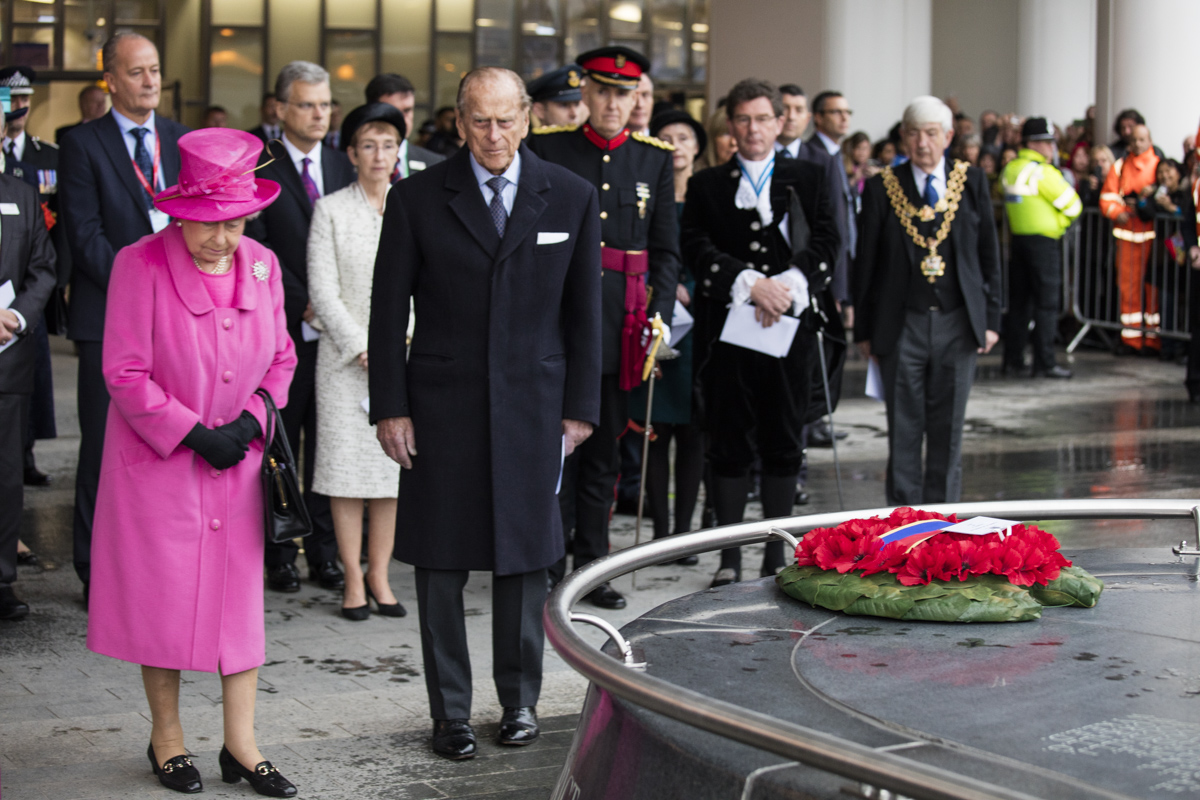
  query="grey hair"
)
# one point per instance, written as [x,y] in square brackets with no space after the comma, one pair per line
[302,71]
[926,109]
[490,75]
[108,53]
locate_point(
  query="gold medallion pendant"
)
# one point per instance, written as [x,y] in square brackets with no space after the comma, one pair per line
[927,213]
[933,266]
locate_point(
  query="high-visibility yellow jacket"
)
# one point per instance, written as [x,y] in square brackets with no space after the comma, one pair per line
[1037,197]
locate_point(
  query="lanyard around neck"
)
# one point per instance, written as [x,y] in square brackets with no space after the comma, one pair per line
[155,167]
[763,179]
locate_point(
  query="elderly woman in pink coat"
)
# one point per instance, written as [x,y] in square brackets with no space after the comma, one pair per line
[195,325]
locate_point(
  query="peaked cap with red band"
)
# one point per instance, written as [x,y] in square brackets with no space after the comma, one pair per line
[616,66]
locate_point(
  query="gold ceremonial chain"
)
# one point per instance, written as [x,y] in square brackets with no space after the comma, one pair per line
[932,266]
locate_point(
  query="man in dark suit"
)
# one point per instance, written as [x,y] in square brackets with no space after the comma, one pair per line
[501,253]
[640,256]
[92,105]
[308,169]
[927,291]
[758,230]
[268,127]
[27,277]
[397,90]
[110,170]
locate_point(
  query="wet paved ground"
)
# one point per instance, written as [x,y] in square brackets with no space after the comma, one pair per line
[342,709]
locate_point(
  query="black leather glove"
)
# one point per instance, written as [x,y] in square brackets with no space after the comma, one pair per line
[244,429]
[217,447]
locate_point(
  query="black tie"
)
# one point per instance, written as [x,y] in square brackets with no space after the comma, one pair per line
[499,214]
[12,150]
[141,157]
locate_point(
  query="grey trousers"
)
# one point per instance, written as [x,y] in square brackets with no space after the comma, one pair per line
[927,378]
[517,639]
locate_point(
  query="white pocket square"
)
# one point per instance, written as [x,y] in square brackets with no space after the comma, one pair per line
[552,238]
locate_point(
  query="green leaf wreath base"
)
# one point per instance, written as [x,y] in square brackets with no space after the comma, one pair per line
[984,598]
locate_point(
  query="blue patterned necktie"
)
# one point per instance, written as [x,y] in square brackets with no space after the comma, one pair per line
[931,195]
[141,157]
[499,214]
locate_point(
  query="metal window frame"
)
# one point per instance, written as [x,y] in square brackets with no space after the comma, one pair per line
[56,72]
[815,748]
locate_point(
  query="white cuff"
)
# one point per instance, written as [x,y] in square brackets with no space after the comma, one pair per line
[666,335]
[742,285]
[23,327]
[794,279]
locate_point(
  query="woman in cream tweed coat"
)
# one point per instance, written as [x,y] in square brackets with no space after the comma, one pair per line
[351,467]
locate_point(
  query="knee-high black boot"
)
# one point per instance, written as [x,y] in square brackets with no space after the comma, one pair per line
[729,502]
[778,496]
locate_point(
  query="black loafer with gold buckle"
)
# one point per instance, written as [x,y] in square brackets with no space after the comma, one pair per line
[179,774]
[264,778]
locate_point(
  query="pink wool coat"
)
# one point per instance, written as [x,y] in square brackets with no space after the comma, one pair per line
[177,548]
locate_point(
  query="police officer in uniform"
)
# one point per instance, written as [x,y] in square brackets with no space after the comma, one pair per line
[36,162]
[557,99]
[1041,205]
[640,258]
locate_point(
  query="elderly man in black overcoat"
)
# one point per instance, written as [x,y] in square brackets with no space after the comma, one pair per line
[500,252]
[927,298]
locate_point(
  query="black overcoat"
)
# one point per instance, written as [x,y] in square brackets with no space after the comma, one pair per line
[888,261]
[26,259]
[506,345]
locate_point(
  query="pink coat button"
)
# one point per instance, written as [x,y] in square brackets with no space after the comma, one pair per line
[215,524]
[218,422]
[227,377]
[216,473]
[227,323]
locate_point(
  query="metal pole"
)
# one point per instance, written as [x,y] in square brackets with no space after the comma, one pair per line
[647,432]
[837,466]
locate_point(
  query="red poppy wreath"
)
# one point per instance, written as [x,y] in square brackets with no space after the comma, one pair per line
[914,565]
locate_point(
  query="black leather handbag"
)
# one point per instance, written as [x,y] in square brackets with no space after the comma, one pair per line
[285,517]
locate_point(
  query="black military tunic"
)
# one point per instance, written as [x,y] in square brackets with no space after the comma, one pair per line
[635,179]
[754,401]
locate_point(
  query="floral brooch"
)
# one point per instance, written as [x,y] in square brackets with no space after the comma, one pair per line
[260,270]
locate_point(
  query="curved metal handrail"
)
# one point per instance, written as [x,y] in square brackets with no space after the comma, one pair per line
[796,742]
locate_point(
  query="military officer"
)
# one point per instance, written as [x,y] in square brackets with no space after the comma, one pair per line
[557,99]
[640,259]
[36,162]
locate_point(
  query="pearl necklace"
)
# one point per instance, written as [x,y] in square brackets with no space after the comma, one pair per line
[222,267]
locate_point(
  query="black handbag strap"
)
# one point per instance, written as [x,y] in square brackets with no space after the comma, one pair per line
[274,429]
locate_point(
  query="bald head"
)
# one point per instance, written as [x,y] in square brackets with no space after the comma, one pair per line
[493,116]
[1140,141]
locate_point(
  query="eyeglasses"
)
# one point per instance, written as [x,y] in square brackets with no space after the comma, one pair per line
[307,108]
[843,112]
[743,121]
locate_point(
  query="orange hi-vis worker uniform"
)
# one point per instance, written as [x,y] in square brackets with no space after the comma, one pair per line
[1135,238]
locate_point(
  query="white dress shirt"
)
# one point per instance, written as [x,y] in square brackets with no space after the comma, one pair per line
[158,219]
[792,147]
[509,193]
[19,149]
[314,167]
[831,147]
[939,178]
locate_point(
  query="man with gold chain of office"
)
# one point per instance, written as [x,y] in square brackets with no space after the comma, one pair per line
[926,286]
[640,256]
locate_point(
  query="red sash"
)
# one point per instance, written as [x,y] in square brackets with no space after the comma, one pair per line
[634,264]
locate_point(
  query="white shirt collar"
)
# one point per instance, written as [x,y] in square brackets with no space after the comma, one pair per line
[19,143]
[830,145]
[298,156]
[126,124]
[939,177]
[793,147]
[755,169]
[512,174]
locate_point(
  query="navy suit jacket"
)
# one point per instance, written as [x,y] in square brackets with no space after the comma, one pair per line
[26,259]
[283,225]
[102,206]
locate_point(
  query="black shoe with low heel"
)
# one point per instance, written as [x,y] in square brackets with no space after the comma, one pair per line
[386,610]
[179,774]
[264,778]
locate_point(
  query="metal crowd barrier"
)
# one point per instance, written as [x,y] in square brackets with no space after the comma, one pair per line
[887,770]
[1090,279]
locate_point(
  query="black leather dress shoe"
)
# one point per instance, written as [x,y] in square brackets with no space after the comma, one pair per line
[179,774]
[328,575]
[819,435]
[688,561]
[453,739]
[264,778]
[802,496]
[283,578]
[726,576]
[28,558]
[519,726]
[605,596]
[1057,371]
[12,608]
[35,477]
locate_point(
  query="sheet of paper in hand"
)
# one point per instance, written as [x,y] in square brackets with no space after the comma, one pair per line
[743,330]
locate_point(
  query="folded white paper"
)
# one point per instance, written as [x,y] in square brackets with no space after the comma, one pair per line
[10,209]
[982,526]
[681,322]
[875,380]
[552,238]
[308,332]
[743,330]
[7,296]
[366,404]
